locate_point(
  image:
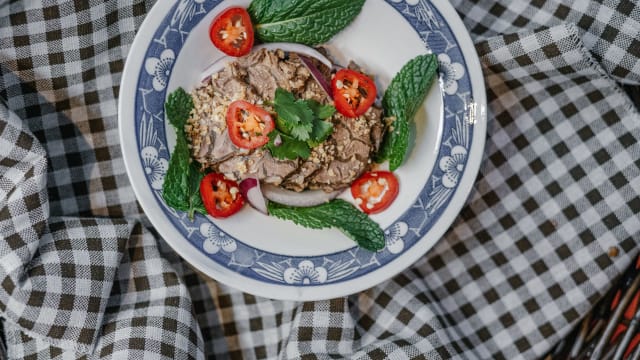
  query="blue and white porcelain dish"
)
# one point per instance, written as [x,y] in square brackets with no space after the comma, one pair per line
[277,259]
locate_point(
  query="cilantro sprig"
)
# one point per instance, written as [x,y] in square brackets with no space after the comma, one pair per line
[300,126]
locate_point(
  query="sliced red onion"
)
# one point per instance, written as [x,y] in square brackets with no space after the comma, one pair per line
[300,49]
[315,72]
[250,189]
[297,199]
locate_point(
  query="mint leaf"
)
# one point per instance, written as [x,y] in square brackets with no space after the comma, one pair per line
[321,111]
[310,22]
[181,187]
[178,108]
[401,100]
[290,148]
[337,214]
[195,199]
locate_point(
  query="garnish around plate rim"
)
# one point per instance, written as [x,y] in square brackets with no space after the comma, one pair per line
[403,247]
[300,125]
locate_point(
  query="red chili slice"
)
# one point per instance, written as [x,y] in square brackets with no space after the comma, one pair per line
[353,92]
[375,191]
[231,32]
[221,196]
[248,124]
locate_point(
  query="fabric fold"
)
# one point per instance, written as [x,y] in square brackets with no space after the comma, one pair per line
[74,286]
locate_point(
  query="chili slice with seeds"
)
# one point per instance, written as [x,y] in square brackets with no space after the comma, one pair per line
[248,124]
[220,196]
[232,32]
[353,92]
[375,191]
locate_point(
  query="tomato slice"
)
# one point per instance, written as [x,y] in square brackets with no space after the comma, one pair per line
[353,92]
[375,191]
[248,124]
[221,196]
[231,32]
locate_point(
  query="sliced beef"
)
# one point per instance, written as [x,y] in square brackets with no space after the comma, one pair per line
[259,164]
[268,70]
[253,78]
[299,180]
[333,165]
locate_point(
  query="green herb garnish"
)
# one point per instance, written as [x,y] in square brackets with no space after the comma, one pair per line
[321,111]
[289,148]
[178,108]
[337,214]
[309,22]
[401,101]
[181,187]
[294,116]
[300,126]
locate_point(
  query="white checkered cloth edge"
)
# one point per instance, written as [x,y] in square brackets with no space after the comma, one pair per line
[524,261]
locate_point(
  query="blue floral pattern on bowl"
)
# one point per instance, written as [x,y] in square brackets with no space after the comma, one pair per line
[258,264]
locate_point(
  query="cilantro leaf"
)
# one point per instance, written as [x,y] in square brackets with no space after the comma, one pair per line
[290,148]
[323,112]
[300,125]
[302,131]
[294,116]
[321,131]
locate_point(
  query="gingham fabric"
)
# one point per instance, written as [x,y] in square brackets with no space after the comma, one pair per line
[551,222]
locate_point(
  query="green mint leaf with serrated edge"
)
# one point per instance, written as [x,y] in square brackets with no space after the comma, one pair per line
[337,214]
[195,199]
[321,111]
[178,107]
[181,187]
[309,22]
[401,101]
[290,148]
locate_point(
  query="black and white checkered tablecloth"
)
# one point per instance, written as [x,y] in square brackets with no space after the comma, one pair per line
[83,274]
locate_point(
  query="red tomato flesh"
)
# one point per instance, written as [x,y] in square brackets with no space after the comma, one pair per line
[221,196]
[248,124]
[374,191]
[231,32]
[353,92]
